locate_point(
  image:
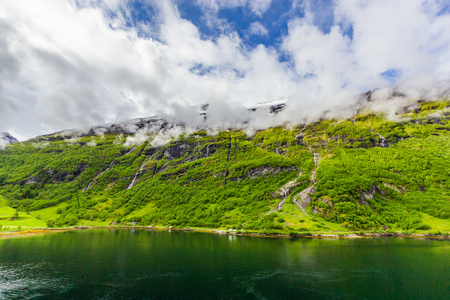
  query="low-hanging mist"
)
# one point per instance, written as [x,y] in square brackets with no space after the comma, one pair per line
[162,129]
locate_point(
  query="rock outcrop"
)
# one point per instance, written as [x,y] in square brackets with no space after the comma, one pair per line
[6,138]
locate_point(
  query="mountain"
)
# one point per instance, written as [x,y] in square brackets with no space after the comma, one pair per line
[151,124]
[364,173]
[6,138]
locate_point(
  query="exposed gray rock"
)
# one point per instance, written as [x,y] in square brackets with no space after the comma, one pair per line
[32,180]
[263,171]
[399,189]
[368,194]
[6,139]
[317,210]
[326,200]
[303,199]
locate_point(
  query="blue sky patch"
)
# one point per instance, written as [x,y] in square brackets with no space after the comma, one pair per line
[392,75]
[275,19]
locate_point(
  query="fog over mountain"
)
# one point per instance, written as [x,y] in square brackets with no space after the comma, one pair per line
[75,64]
[6,139]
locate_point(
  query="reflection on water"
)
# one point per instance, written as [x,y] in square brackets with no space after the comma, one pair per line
[140,264]
[27,281]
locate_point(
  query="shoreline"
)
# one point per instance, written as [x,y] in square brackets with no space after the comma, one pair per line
[31,232]
[42,231]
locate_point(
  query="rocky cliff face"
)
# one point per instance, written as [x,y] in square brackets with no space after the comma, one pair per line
[6,138]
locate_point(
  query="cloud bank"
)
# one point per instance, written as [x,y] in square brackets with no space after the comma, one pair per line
[68,64]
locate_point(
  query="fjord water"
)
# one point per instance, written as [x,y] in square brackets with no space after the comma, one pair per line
[141,264]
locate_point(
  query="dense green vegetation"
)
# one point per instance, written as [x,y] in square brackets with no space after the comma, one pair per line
[373,174]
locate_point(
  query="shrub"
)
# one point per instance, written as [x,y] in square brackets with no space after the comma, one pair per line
[71,220]
[422,226]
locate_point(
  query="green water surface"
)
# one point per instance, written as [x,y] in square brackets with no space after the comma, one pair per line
[141,264]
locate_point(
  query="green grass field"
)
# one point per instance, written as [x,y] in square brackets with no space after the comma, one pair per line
[435,223]
[23,221]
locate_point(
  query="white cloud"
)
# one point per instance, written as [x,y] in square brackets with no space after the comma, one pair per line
[386,35]
[398,34]
[256,28]
[71,64]
[259,7]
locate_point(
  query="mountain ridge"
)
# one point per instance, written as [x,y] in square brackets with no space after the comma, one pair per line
[6,138]
[156,123]
[363,173]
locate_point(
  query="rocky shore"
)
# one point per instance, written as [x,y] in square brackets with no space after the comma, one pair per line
[353,235]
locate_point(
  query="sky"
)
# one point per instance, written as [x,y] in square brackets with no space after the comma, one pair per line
[77,63]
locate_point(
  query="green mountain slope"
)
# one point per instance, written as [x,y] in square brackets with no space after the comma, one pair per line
[366,173]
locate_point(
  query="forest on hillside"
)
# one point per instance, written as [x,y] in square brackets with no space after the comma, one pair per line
[364,173]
